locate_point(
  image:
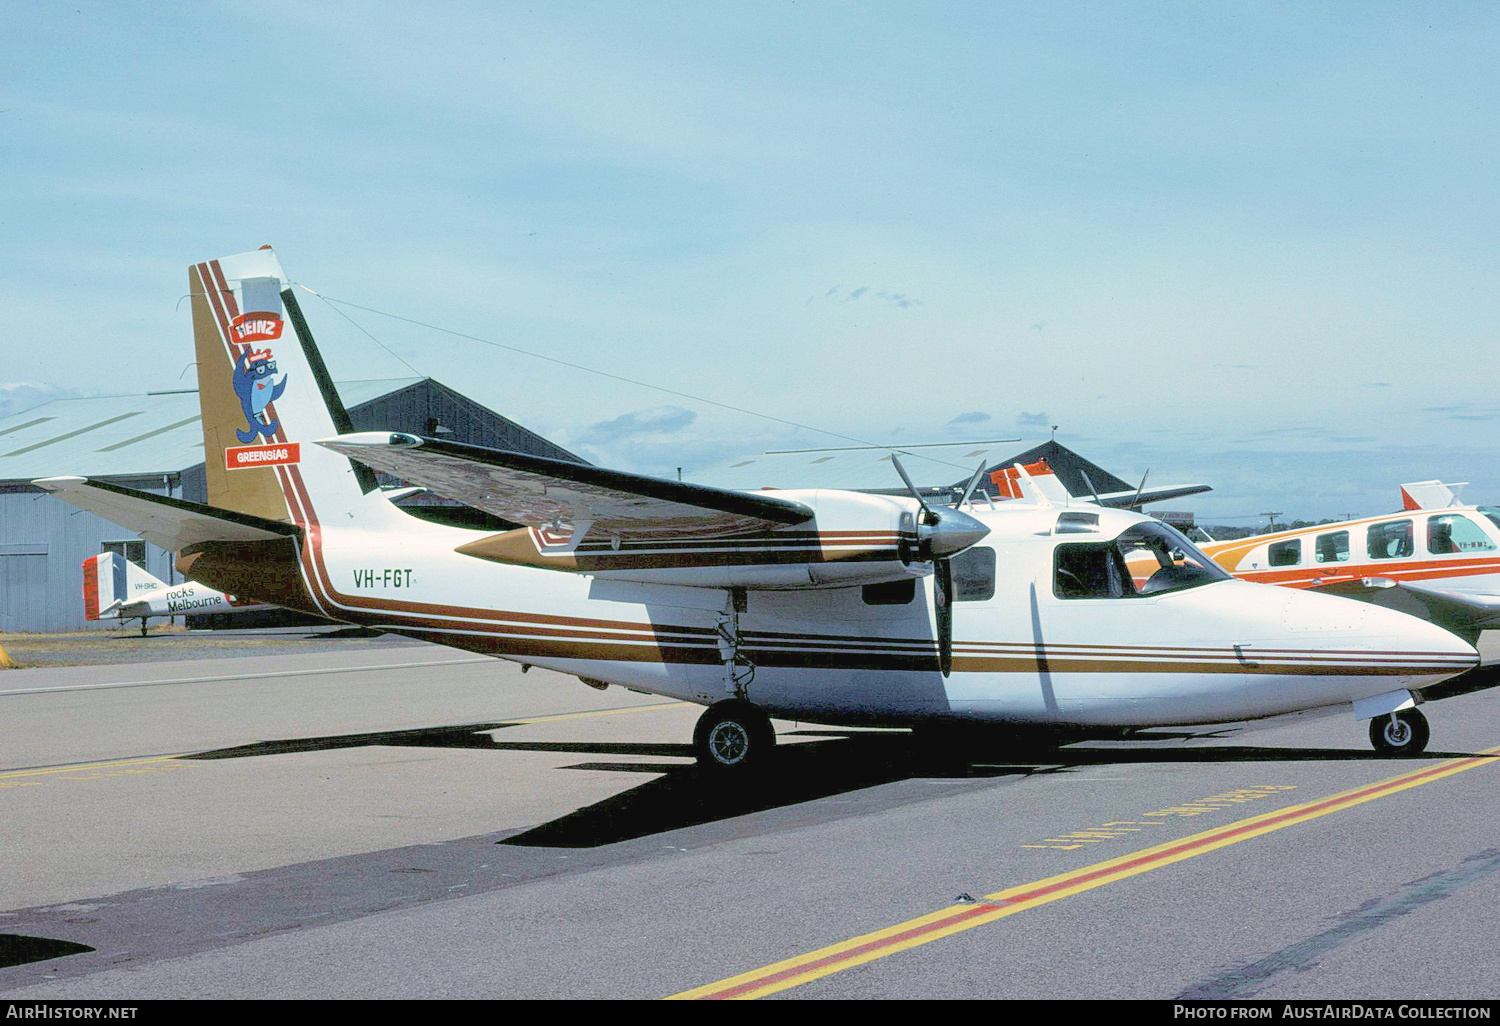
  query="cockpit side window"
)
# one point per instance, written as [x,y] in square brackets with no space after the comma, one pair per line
[1090,571]
[1149,558]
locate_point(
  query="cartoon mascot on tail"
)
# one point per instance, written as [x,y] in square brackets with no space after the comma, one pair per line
[253,372]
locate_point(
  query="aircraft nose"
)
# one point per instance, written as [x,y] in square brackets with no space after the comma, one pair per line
[1428,651]
[1405,650]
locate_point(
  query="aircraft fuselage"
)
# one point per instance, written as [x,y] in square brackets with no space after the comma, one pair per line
[1022,653]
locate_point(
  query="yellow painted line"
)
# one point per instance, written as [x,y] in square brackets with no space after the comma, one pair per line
[239,676]
[793,972]
[86,766]
[598,712]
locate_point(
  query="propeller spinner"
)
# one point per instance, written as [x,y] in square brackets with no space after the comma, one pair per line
[939,535]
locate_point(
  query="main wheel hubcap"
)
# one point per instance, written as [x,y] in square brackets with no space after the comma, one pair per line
[729,742]
[1397,732]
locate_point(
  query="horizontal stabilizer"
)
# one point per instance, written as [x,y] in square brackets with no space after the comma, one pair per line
[541,492]
[171,524]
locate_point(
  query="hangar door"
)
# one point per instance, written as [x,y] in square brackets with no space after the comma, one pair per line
[23,588]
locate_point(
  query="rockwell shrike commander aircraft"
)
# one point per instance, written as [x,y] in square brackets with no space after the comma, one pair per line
[832,606]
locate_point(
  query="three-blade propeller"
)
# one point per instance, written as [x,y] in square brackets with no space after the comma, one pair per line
[939,535]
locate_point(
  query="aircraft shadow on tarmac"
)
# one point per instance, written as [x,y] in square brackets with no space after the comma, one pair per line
[837,762]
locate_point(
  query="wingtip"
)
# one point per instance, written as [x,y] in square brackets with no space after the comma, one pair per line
[371,439]
[58,484]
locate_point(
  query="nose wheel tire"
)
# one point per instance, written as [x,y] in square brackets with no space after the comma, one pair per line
[733,738]
[1401,733]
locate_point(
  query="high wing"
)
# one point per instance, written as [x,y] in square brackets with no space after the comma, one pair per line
[171,524]
[541,493]
[1136,498]
[1464,613]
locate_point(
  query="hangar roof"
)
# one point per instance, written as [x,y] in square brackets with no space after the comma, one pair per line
[126,435]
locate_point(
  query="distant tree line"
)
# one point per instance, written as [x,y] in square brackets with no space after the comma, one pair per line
[1224,532]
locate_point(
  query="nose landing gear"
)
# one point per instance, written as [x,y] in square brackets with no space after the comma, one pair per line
[1401,733]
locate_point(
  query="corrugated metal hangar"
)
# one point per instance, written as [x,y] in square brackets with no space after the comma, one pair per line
[154,442]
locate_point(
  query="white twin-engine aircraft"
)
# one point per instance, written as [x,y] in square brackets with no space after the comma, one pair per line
[114,587]
[831,606]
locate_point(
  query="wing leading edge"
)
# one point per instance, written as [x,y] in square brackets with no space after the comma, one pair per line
[573,497]
[1463,613]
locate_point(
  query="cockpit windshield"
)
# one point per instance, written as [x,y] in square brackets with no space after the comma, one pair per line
[1147,559]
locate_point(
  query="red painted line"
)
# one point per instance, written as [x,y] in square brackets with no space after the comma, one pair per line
[1112,869]
[980,909]
[1291,814]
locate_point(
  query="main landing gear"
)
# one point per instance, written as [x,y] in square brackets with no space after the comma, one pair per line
[1401,733]
[733,738]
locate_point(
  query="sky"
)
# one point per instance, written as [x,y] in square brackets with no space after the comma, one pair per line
[1246,244]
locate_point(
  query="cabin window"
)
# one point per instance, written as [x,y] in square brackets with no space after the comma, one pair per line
[1332,547]
[1286,553]
[1390,540]
[890,593]
[973,574]
[1453,533]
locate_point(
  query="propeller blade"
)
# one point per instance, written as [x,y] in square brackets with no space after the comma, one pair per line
[942,595]
[973,482]
[896,461]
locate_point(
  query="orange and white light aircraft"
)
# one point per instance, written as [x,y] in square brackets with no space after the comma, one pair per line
[1434,558]
[113,587]
[832,606]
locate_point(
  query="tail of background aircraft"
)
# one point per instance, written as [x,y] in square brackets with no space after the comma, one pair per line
[1430,494]
[266,398]
[109,581]
[1034,482]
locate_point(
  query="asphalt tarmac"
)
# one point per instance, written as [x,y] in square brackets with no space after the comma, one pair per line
[356,817]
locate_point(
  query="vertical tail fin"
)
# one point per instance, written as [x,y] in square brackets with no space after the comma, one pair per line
[266,397]
[1034,482]
[1430,494]
[110,581]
